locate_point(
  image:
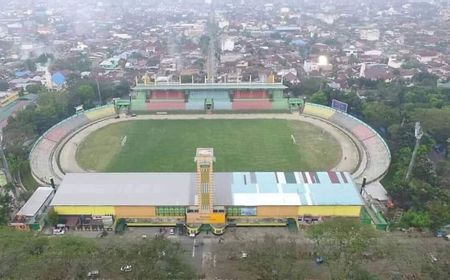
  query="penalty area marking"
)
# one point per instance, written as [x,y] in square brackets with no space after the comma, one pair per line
[124,140]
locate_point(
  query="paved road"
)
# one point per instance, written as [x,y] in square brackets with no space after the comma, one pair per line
[13,107]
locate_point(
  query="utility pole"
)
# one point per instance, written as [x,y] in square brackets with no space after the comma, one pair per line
[418,133]
[98,90]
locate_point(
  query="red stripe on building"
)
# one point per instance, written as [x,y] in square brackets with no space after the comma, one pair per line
[305,178]
[333,177]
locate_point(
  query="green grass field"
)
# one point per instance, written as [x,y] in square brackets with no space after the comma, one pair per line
[239,145]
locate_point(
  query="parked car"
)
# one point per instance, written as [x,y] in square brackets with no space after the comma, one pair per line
[58,231]
[172,231]
[126,268]
[93,274]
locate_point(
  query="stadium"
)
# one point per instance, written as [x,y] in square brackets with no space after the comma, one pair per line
[260,159]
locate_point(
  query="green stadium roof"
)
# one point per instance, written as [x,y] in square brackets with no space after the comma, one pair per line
[208,86]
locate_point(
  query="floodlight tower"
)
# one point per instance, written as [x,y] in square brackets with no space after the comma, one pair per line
[418,133]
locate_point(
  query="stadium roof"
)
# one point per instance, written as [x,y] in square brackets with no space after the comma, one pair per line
[35,202]
[208,86]
[238,188]
[126,189]
[294,188]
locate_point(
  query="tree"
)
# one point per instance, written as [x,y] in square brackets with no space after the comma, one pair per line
[425,79]
[30,65]
[35,88]
[86,95]
[319,97]
[4,86]
[435,121]
[43,58]
[439,212]
[122,89]
[417,219]
[185,79]
[53,217]
[274,259]
[342,242]
[380,115]
[5,208]
[310,86]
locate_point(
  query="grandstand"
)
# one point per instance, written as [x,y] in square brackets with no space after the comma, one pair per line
[100,113]
[237,197]
[42,159]
[376,152]
[208,96]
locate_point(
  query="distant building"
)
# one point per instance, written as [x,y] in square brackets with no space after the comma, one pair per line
[375,72]
[427,56]
[227,44]
[394,62]
[58,81]
[369,34]
[110,63]
[291,78]
[352,50]
[314,65]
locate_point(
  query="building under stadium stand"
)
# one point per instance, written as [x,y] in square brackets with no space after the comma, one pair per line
[206,198]
[210,96]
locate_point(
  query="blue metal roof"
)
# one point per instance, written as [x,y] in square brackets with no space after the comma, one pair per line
[294,188]
[58,78]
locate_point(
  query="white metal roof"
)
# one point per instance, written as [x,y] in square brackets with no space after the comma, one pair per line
[35,202]
[125,189]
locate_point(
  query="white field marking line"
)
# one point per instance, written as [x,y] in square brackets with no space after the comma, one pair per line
[193,248]
[124,140]
[214,260]
[293,140]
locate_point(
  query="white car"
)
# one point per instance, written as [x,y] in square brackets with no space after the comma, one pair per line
[172,231]
[58,231]
[126,268]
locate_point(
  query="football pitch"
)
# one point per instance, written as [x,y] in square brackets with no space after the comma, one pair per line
[239,145]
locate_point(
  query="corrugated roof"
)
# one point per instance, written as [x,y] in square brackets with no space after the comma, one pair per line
[295,188]
[35,202]
[238,188]
[208,86]
[126,189]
